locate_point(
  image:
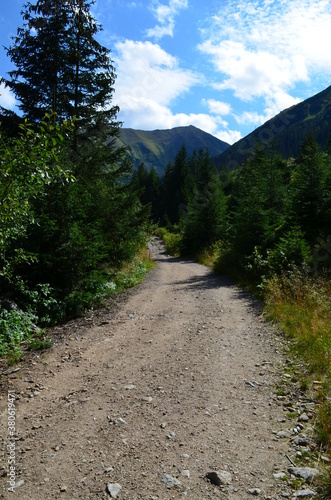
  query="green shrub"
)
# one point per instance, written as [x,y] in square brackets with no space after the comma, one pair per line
[291,250]
[39,342]
[173,243]
[42,302]
[16,326]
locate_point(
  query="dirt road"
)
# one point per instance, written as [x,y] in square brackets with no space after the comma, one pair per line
[174,382]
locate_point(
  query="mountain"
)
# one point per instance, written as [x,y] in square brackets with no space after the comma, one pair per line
[159,147]
[285,131]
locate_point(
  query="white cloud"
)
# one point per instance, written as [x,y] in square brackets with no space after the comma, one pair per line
[229,136]
[150,81]
[146,71]
[165,15]
[250,117]
[7,99]
[278,102]
[263,49]
[253,73]
[217,107]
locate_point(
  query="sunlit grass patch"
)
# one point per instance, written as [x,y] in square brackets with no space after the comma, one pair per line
[301,304]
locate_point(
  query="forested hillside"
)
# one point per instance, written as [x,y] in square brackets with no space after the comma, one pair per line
[266,216]
[157,148]
[70,218]
[284,132]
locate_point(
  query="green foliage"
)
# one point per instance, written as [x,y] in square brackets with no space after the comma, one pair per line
[173,243]
[307,186]
[291,250]
[39,342]
[325,488]
[172,239]
[133,274]
[148,185]
[60,66]
[301,305]
[324,424]
[205,220]
[28,165]
[63,234]
[16,326]
[174,187]
[260,196]
[42,302]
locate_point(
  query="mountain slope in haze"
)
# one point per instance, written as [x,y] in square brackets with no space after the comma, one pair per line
[158,147]
[285,132]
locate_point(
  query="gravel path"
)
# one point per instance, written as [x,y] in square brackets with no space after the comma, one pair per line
[149,396]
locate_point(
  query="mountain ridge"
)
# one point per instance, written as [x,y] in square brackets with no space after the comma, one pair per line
[159,147]
[285,131]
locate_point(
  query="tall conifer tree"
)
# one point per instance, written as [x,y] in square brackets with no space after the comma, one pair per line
[60,66]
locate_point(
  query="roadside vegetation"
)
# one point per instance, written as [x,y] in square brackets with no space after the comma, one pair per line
[18,328]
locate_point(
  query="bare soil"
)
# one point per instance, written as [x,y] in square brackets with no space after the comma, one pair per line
[177,375]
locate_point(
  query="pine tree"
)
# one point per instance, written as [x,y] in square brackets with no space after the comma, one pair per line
[149,186]
[205,220]
[175,200]
[259,211]
[60,66]
[307,188]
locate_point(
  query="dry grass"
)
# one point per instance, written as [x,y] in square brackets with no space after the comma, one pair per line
[301,304]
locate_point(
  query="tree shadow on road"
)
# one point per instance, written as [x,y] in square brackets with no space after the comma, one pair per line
[211,280]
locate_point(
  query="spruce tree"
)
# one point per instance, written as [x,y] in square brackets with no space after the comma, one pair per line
[307,188]
[205,220]
[260,197]
[174,186]
[60,66]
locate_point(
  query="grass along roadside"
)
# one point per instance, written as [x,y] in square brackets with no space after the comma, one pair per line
[301,305]
[20,330]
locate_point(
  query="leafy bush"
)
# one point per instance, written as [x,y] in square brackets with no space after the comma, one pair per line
[39,341]
[100,285]
[292,249]
[16,327]
[172,239]
[133,274]
[90,292]
[228,262]
[42,302]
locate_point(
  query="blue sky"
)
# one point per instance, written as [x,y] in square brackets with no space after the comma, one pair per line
[225,66]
